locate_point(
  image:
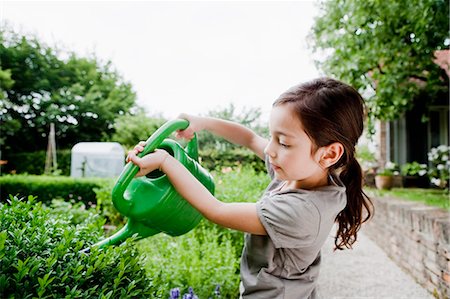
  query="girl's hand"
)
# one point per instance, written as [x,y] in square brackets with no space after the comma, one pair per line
[149,162]
[195,125]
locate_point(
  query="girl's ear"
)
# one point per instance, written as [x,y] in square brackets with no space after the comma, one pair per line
[331,154]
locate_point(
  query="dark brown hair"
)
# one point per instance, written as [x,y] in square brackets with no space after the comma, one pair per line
[331,111]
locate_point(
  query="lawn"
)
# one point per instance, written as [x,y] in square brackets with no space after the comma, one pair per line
[432,197]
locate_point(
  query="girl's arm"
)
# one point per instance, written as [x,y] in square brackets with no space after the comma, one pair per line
[238,216]
[230,131]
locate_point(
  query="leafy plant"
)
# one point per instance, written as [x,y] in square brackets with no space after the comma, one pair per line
[414,169]
[39,257]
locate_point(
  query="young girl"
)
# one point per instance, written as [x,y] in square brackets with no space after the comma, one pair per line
[316,181]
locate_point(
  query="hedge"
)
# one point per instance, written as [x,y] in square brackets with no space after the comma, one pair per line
[46,188]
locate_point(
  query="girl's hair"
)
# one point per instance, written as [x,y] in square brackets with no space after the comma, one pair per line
[331,111]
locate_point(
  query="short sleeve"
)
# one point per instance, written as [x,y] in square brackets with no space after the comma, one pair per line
[290,220]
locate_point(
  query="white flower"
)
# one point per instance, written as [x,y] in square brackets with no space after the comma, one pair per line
[442,148]
[440,167]
[436,181]
[444,158]
[422,172]
[389,165]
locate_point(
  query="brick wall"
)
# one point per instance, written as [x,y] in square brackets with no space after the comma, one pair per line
[416,237]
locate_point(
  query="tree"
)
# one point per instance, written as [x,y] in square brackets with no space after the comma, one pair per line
[386,49]
[82,96]
[130,129]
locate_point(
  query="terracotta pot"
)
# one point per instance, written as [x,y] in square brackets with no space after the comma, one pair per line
[384,182]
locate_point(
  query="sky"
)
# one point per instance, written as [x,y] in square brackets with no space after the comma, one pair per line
[183,56]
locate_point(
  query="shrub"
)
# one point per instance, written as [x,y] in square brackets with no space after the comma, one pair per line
[46,188]
[39,257]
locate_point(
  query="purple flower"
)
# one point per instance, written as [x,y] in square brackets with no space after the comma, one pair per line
[174,293]
[190,295]
[217,290]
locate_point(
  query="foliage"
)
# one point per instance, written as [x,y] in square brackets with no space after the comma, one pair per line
[130,129]
[440,165]
[82,96]
[385,49]
[430,197]
[78,212]
[34,162]
[208,255]
[104,206]
[238,157]
[39,257]
[46,188]
[365,157]
[389,169]
[414,169]
[201,259]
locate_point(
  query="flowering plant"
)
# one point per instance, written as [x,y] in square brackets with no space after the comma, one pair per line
[389,169]
[414,169]
[440,165]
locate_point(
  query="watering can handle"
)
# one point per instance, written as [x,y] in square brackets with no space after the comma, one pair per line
[152,143]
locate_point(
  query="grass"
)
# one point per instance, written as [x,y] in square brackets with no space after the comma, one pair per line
[430,197]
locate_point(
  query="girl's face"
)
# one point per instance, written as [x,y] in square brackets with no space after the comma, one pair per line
[290,151]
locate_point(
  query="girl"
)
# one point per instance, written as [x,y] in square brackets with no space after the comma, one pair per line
[316,181]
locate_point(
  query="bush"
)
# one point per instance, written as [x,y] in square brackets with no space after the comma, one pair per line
[46,188]
[39,257]
[34,162]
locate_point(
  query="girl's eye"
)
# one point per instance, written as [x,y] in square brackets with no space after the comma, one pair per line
[283,144]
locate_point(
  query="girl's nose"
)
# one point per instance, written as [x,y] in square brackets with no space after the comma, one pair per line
[268,150]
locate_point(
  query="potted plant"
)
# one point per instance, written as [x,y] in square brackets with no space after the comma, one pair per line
[384,178]
[415,175]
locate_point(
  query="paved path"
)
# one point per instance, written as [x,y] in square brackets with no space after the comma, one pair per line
[364,272]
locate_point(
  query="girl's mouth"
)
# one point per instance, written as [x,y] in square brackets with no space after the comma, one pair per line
[276,167]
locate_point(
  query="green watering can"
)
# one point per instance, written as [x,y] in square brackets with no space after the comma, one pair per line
[151,203]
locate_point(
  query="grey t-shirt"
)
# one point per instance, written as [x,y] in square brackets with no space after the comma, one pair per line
[285,263]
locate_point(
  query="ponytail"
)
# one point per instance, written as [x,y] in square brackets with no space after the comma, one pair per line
[358,209]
